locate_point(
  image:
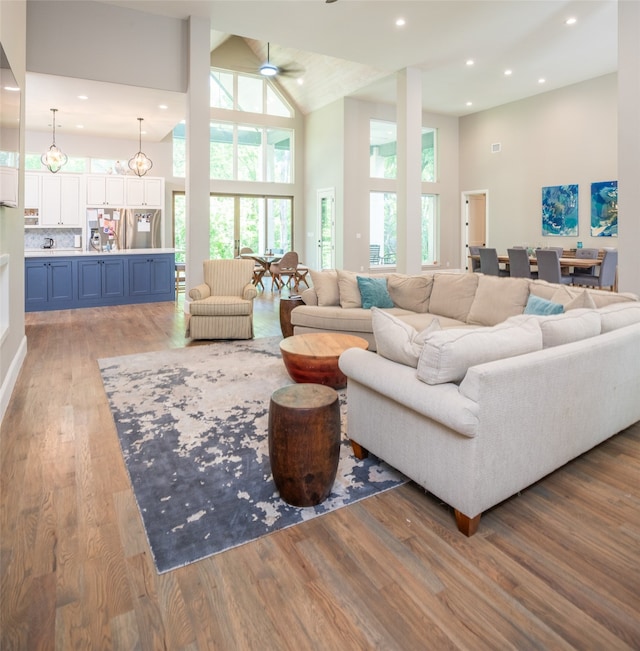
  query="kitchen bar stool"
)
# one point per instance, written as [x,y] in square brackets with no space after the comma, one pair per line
[180,277]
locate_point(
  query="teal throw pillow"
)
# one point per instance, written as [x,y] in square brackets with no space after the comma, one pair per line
[542,307]
[373,292]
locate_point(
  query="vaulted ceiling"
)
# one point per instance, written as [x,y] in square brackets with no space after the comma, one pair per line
[354,48]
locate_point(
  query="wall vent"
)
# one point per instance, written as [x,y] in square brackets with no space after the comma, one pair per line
[496,147]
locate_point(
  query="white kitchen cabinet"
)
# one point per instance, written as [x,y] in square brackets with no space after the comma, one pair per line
[32,190]
[60,200]
[145,192]
[105,191]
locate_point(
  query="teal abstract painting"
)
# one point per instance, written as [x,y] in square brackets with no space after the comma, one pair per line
[560,210]
[604,209]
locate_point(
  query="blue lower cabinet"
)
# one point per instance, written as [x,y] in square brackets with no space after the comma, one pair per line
[48,284]
[100,279]
[92,281]
[152,277]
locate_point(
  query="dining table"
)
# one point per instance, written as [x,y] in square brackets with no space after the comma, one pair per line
[263,259]
[565,262]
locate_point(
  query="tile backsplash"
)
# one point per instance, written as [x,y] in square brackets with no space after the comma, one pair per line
[62,237]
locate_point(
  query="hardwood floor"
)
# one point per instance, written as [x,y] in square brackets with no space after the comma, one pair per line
[556,567]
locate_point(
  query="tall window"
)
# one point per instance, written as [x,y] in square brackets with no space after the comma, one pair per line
[242,152]
[383,228]
[383,148]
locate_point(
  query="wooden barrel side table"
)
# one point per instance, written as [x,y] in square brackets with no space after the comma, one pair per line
[286,307]
[304,442]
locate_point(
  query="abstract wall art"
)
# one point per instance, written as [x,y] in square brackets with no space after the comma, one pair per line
[604,209]
[560,210]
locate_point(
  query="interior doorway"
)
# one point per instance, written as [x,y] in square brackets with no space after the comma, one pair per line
[326,228]
[475,214]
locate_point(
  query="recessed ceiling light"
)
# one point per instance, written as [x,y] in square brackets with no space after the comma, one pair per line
[508,73]
[469,103]
[571,21]
[470,62]
[300,81]
[400,22]
[13,89]
[83,97]
[162,106]
[79,126]
[542,80]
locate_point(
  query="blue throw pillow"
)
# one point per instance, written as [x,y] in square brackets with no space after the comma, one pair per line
[542,307]
[373,292]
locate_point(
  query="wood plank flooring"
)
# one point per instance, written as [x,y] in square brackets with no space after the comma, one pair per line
[556,567]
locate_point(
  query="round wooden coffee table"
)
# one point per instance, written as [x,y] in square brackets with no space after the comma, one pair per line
[314,357]
[304,442]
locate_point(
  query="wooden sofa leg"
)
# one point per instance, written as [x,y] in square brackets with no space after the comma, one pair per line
[466,525]
[358,451]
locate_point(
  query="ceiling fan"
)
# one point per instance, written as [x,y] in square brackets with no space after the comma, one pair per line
[270,69]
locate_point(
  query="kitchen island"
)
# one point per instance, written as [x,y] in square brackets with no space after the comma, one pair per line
[57,279]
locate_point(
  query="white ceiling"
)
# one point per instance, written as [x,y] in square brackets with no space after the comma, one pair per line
[353,48]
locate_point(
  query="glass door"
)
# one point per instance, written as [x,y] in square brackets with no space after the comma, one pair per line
[326,228]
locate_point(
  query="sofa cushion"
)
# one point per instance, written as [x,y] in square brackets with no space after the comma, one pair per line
[410,292]
[583,299]
[496,299]
[373,292]
[326,285]
[453,294]
[397,340]
[447,354]
[542,306]
[573,325]
[328,318]
[348,289]
[619,315]
[221,306]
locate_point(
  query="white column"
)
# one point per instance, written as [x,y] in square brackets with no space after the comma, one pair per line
[628,146]
[409,120]
[197,163]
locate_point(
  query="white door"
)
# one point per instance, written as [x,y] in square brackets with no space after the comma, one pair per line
[474,214]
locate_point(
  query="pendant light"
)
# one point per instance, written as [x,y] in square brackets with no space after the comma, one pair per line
[140,164]
[54,159]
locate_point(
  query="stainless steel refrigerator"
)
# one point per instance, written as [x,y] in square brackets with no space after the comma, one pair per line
[112,229]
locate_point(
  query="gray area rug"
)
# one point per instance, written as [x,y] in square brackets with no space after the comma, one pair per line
[193,428]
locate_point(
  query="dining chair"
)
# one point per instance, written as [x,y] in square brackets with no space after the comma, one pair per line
[519,265]
[489,264]
[549,267]
[285,267]
[586,253]
[475,263]
[606,277]
[259,270]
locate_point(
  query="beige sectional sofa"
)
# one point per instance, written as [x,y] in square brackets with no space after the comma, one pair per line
[475,400]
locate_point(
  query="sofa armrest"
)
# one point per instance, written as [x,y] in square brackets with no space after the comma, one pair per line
[249,292]
[199,292]
[309,296]
[441,402]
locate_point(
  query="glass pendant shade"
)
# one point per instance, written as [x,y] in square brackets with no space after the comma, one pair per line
[140,164]
[54,159]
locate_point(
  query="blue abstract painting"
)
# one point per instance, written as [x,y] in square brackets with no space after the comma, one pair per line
[604,209]
[560,210]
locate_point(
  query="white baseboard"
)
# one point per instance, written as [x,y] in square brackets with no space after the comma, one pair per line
[12,377]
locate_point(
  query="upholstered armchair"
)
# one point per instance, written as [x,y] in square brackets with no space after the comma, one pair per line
[222,306]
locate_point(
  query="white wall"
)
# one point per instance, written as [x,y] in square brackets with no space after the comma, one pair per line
[566,136]
[95,40]
[13,345]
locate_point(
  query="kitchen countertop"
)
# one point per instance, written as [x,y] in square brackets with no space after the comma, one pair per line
[63,253]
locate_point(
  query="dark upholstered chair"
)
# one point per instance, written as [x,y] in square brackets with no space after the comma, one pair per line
[549,267]
[519,266]
[489,263]
[606,277]
[586,253]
